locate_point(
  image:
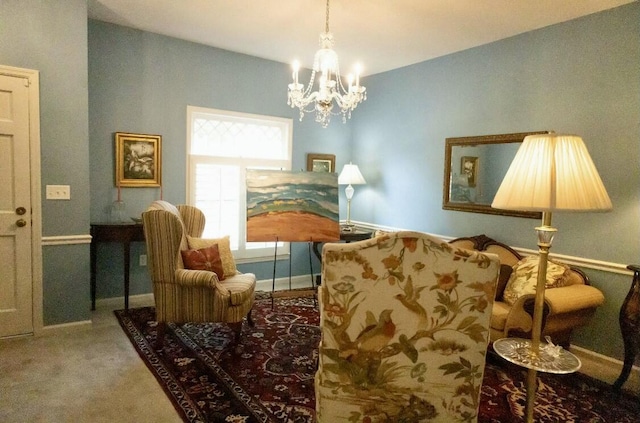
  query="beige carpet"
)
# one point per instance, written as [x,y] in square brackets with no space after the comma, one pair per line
[87,374]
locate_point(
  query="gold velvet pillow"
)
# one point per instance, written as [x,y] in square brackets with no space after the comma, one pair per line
[228,262]
[524,278]
[204,259]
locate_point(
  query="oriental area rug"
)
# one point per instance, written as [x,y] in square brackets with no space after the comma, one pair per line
[269,375]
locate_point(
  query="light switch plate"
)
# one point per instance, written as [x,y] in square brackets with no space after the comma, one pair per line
[58,192]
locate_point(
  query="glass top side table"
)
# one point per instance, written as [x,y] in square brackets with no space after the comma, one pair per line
[549,358]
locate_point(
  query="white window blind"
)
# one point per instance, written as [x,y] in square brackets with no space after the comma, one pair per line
[221,146]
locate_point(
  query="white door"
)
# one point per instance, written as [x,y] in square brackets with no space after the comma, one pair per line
[16,289]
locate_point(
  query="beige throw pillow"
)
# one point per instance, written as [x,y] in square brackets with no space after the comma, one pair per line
[524,278]
[228,262]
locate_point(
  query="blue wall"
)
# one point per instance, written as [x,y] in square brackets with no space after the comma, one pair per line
[580,77]
[51,37]
[143,82]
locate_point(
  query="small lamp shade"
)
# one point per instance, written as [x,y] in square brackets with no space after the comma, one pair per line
[552,172]
[351,175]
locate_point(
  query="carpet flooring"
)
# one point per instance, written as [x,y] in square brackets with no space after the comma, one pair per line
[268,377]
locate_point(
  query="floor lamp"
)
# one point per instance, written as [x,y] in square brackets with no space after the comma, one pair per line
[349,176]
[549,173]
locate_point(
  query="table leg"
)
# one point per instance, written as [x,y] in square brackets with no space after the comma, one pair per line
[316,251]
[93,249]
[127,262]
[630,326]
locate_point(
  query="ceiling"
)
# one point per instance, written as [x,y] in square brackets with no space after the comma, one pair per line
[378,34]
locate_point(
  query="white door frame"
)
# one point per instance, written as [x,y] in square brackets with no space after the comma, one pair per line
[33,76]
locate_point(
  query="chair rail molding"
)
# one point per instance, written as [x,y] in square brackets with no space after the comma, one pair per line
[66,240]
[582,262]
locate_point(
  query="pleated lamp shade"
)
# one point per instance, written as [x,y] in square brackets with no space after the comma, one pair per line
[552,172]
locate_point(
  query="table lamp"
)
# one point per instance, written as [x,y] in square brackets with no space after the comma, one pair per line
[549,173]
[349,176]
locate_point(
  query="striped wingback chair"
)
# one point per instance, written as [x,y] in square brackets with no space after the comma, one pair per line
[184,295]
[404,320]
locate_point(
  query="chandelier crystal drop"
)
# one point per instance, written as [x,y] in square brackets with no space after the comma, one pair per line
[330,88]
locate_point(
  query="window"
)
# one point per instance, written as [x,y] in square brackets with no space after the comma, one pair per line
[221,145]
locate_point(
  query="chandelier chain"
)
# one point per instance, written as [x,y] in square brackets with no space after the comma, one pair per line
[326,25]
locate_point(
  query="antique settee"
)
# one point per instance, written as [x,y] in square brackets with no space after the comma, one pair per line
[404,321]
[187,294]
[566,307]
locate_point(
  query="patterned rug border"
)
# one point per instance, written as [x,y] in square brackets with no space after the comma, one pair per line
[183,405]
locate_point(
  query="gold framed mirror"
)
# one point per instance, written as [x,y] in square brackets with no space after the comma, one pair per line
[473,171]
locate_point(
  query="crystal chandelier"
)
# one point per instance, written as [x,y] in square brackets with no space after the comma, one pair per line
[330,87]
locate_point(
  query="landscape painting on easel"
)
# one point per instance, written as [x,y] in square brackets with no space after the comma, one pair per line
[292,206]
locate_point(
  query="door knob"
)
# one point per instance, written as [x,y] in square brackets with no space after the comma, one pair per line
[20,211]
[20,223]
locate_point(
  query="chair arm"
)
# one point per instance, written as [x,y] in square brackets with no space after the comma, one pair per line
[198,278]
[571,298]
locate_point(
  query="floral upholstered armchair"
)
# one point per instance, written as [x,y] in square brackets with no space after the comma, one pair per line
[404,330]
[200,293]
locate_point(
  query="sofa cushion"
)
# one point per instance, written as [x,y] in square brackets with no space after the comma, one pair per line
[524,278]
[224,247]
[204,259]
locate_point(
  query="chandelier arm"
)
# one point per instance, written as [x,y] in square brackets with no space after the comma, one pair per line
[305,101]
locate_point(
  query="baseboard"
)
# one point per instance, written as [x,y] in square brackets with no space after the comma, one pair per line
[118,302]
[281,284]
[605,368]
[64,327]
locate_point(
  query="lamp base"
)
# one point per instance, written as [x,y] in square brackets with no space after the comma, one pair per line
[548,358]
[347,227]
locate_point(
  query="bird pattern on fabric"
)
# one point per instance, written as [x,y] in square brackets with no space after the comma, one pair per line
[405,327]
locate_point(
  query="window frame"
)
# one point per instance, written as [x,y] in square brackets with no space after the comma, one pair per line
[242,254]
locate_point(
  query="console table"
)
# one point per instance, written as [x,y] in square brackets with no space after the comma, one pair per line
[346,236]
[124,233]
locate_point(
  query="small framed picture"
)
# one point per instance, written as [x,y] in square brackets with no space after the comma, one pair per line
[138,160]
[321,163]
[469,169]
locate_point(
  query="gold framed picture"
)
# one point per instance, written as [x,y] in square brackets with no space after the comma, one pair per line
[321,162]
[469,169]
[138,160]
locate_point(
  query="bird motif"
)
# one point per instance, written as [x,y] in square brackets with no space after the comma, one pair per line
[410,300]
[378,333]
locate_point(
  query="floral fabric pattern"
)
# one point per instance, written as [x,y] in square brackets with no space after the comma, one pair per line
[405,327]
[524,278]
